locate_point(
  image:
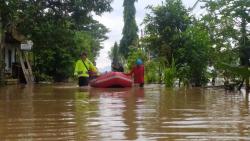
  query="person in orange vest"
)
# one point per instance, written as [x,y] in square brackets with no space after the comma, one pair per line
[84,68]
[138,73]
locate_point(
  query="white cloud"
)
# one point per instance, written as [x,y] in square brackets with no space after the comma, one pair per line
[114,22]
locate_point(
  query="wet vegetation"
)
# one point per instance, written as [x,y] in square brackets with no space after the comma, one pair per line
[180,47]
[60,31]
[177,47]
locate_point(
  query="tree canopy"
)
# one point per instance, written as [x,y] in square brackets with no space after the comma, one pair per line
[180,40]
[60,30]
[130,28]
[163,28]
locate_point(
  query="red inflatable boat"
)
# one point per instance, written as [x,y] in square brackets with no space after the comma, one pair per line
[112,79]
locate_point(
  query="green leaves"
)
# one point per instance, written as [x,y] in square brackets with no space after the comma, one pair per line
[114,54]
[170,75]
[227,22]
[237,70]
[60,30]
[195,51]
[130,28]
[174,35]
[164,27]
[134,54]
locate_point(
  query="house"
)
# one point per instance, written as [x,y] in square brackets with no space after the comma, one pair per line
[17,67]
[9,52]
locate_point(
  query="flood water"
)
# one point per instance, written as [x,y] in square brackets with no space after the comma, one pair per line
[152,113]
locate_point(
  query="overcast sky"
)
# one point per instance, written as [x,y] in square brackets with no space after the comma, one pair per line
[114,22]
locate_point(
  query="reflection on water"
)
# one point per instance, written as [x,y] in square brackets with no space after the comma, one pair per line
[150,113]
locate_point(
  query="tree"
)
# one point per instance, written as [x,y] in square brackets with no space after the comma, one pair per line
[194,54]
[228,21]
[180,39]
[163,28]
[130,28]
[114,54]
[7,11]
[53,25]
[1,54]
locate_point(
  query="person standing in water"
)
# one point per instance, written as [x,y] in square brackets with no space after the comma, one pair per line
[138,73]
[83,69]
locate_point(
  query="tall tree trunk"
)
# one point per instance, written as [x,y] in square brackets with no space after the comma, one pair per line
[2,39]
[247,86]
[1,67]
[244,49]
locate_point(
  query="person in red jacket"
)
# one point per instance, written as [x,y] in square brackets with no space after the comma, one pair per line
[138,73]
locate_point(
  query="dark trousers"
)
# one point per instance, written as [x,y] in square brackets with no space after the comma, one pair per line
[141,85]
[83,81]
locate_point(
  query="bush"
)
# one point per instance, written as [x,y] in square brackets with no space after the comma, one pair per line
[169,75]
[42,77]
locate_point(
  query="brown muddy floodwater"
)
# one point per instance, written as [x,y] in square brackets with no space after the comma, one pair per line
[67,113]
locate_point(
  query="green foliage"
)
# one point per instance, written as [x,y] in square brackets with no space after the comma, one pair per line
[130,28]
[244,72]
[53,55]
[163,38]
[184,74]
[134,54]
[155,70]
[227,22]
[194,53]
[221,36]
[169,78]
[170,75]
[151,73]
[171,34]
[164,27]
[56,56]
[42,77]
[114,54]
[60,30]
[83,41]
[97,33]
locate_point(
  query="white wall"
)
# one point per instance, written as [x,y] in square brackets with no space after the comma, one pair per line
[6,59]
